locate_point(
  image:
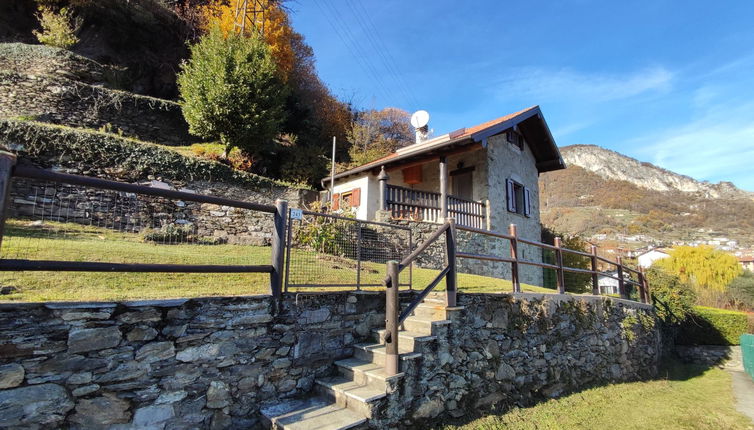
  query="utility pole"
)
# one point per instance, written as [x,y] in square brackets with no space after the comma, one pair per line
[332,173]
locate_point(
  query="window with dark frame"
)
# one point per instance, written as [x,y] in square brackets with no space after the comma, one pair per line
[518,198]
[514,138]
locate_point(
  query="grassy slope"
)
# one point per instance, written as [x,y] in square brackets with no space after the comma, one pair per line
[56,241]
[690,397]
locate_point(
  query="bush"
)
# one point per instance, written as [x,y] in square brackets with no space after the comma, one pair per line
[674,300]
[712,326]
[58,29]
[230,92]
[742,290]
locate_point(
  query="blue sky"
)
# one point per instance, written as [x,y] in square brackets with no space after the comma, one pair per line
[669,82]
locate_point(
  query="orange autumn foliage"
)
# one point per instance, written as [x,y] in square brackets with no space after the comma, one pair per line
[277,29]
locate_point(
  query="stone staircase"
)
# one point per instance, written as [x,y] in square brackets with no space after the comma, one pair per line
[361,388]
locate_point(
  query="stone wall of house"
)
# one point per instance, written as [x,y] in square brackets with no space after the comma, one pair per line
[178,364]
[214,362]
[59,100]
[506,350]
[434,257]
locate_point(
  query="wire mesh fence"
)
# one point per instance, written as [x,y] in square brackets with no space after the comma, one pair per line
[51,221]
[332,251]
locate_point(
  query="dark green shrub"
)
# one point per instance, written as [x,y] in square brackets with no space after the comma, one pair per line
[230,91]
[673,299]
[712,326]
[170,234]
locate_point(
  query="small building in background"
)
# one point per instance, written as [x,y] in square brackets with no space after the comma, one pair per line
[646,259]
[747,262]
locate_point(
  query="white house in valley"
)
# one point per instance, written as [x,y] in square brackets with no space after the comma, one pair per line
[646,259]
[485,176]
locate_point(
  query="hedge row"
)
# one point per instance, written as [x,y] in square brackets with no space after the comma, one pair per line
[104,154]
[712,326]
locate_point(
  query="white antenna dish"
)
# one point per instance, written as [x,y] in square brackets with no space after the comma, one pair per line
[420,119]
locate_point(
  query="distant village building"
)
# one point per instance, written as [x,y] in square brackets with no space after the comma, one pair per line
[648,258]
[608,282]
[747,263]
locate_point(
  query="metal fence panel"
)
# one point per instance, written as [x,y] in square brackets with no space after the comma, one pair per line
[334,251]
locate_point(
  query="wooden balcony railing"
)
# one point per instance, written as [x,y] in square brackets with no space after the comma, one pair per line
[416,205]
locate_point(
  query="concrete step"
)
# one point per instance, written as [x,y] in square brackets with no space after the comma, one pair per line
[375,353]
[415,342]
[425,326]
[428,310]
[311,414]
[365,372]
[345,392]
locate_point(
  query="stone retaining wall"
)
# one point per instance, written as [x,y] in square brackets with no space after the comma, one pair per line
[505,350]
[35,200]
[213,363]
[60,100]
[180,364]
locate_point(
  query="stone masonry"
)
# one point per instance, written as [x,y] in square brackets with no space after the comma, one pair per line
[218,362]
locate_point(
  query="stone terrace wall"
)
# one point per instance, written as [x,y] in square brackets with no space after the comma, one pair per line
[198,363]
[128,212]
[59,100]
[505,350]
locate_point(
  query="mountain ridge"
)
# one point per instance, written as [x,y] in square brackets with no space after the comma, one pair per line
[610,164]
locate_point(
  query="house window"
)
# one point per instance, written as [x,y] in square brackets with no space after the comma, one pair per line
[518,198]
[346,200]
[515,139]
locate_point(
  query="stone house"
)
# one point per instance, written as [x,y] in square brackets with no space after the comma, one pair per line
[485,176]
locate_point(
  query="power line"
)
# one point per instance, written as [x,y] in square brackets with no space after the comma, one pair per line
[377,42]
[341,33]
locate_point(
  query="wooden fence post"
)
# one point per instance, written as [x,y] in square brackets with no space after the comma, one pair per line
[7,161]
[559,262]
[278,248]
[451,278]
[595,277]
[621,281]
[642,296]
[391,320]
[513,232]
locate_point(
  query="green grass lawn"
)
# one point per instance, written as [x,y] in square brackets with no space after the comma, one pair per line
[73,242]
[687,397]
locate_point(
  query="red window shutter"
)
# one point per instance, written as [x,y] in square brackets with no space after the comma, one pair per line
[355,197]
[335,202]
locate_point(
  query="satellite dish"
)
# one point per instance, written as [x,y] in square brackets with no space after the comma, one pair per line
[420,119]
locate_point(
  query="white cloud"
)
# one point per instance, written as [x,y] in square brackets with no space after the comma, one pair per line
[716,146]
[583,88]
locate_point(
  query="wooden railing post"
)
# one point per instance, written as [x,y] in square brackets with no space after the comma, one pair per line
[451,277]
[595,277]
[278,248]
[513,232]
[391,319]
[559,261]
[642,296]
[7,161]
[621,281]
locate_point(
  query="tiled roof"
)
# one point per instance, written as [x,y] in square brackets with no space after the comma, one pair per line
[454,135]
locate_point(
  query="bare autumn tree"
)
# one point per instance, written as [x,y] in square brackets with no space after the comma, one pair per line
[376,133]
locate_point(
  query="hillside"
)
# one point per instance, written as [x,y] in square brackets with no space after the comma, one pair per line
[612,165]
[608,197]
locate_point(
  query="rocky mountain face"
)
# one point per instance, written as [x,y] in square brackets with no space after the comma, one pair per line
[612,165]
[605,196]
